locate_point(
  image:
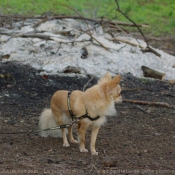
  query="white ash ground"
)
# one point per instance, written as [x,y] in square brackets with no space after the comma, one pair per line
[53,56]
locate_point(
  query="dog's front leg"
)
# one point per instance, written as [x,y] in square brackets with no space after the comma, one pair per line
[82,127]
[65,142]
[94,133]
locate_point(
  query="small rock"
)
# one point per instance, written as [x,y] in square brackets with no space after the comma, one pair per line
[26,154]
[11,143]
[172,81]
[5,121]
[42,45]
[110,162]
[139,154]
[84,53]
[49,161]
[6,56]
[156,134]
[132,50]
[72,69]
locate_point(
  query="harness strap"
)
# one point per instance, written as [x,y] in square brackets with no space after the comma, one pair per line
[87,116]
[69,107]
[74,116]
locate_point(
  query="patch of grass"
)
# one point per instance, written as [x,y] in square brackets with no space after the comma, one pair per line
[159,14]
[145,80]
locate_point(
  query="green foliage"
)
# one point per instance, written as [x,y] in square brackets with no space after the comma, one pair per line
[145,80]
[158,14]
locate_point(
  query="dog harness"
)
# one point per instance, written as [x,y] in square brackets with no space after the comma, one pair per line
[86,115]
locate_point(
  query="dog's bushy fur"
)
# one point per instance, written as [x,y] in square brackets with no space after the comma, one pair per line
[99,100]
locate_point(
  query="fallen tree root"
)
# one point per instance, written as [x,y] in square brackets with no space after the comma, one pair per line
[152,73]
[147,103]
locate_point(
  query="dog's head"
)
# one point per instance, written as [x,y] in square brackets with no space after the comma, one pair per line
[111,86]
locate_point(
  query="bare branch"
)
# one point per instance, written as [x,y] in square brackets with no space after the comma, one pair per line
[127,42]
[148,48]
[77,13]
[89,32]
[96,20]
[163,104]
[87,83]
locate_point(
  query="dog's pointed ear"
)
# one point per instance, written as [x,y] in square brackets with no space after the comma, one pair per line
[105,78]
[114,82]
[117,79]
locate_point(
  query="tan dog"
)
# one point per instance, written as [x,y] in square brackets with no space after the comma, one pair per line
[99,100]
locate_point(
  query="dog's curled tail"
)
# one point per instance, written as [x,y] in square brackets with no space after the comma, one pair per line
[47,120]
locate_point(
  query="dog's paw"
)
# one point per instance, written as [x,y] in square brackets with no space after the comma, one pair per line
[66,145]
[73,141]
[94,153]
[83,150]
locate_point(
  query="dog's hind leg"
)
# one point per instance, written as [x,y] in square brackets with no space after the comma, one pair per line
[94,134]
[59,119]
[71,138]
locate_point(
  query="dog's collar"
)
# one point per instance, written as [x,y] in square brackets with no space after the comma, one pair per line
[81,117]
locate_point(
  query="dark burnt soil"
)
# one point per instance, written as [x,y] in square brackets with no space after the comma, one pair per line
[139,140]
